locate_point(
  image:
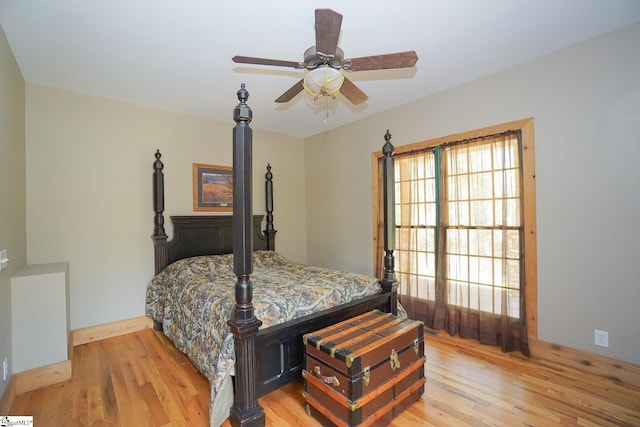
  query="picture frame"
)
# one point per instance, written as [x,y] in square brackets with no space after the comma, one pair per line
[212,188]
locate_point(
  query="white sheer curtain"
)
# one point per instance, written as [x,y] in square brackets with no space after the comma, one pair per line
[416,212]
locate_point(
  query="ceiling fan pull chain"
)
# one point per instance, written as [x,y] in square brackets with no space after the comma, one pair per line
[326,117]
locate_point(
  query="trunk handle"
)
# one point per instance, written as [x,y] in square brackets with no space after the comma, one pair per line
[333,380]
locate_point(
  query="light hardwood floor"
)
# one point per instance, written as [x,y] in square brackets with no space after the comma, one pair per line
[140,379]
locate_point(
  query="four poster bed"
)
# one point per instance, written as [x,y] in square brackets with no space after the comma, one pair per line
[236,307]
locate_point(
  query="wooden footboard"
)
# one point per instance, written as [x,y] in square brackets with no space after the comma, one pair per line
[280,347]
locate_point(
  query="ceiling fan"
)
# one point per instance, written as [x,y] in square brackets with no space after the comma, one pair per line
[325,59]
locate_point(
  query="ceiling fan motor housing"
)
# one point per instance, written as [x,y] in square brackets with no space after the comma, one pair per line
[314,59]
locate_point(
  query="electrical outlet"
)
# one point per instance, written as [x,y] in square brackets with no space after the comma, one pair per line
[5,369]
[601,338]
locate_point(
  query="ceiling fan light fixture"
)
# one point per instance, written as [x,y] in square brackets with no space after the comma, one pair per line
[323,81]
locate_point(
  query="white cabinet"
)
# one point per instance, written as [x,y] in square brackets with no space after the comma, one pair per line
[40,315]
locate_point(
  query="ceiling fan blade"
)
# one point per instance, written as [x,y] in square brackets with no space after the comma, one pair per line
[328,25]
[291,92]
[383,62]
[352,92]
[264,61]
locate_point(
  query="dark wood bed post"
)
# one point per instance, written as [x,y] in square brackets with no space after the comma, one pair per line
[159,235]
[246,410]
[269,231]
[389,282]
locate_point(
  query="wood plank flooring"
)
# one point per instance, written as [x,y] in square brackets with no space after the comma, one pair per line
[140,379]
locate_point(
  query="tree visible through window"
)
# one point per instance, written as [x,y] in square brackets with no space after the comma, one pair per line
[460,235]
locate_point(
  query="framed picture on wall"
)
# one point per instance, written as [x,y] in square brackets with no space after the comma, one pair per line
[212,188]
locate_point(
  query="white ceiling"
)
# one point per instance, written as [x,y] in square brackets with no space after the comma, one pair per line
[176,54]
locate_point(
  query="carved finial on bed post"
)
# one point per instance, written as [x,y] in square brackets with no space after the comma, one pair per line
[389,282]
[244,325]
[270,231]
[159,236]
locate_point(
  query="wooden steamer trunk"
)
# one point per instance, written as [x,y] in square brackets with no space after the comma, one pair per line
[365,370]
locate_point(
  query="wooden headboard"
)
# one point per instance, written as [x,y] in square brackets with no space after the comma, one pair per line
[205,235]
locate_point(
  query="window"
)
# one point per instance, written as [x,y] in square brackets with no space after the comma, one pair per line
[465,241]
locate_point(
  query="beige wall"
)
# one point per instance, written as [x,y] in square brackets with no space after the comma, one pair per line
[586,105]
[12,189]
[89,191]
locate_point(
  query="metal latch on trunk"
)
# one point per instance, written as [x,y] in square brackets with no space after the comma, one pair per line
[367,375]
[394,361]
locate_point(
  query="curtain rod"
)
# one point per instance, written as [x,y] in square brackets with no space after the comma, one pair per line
[458,142]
